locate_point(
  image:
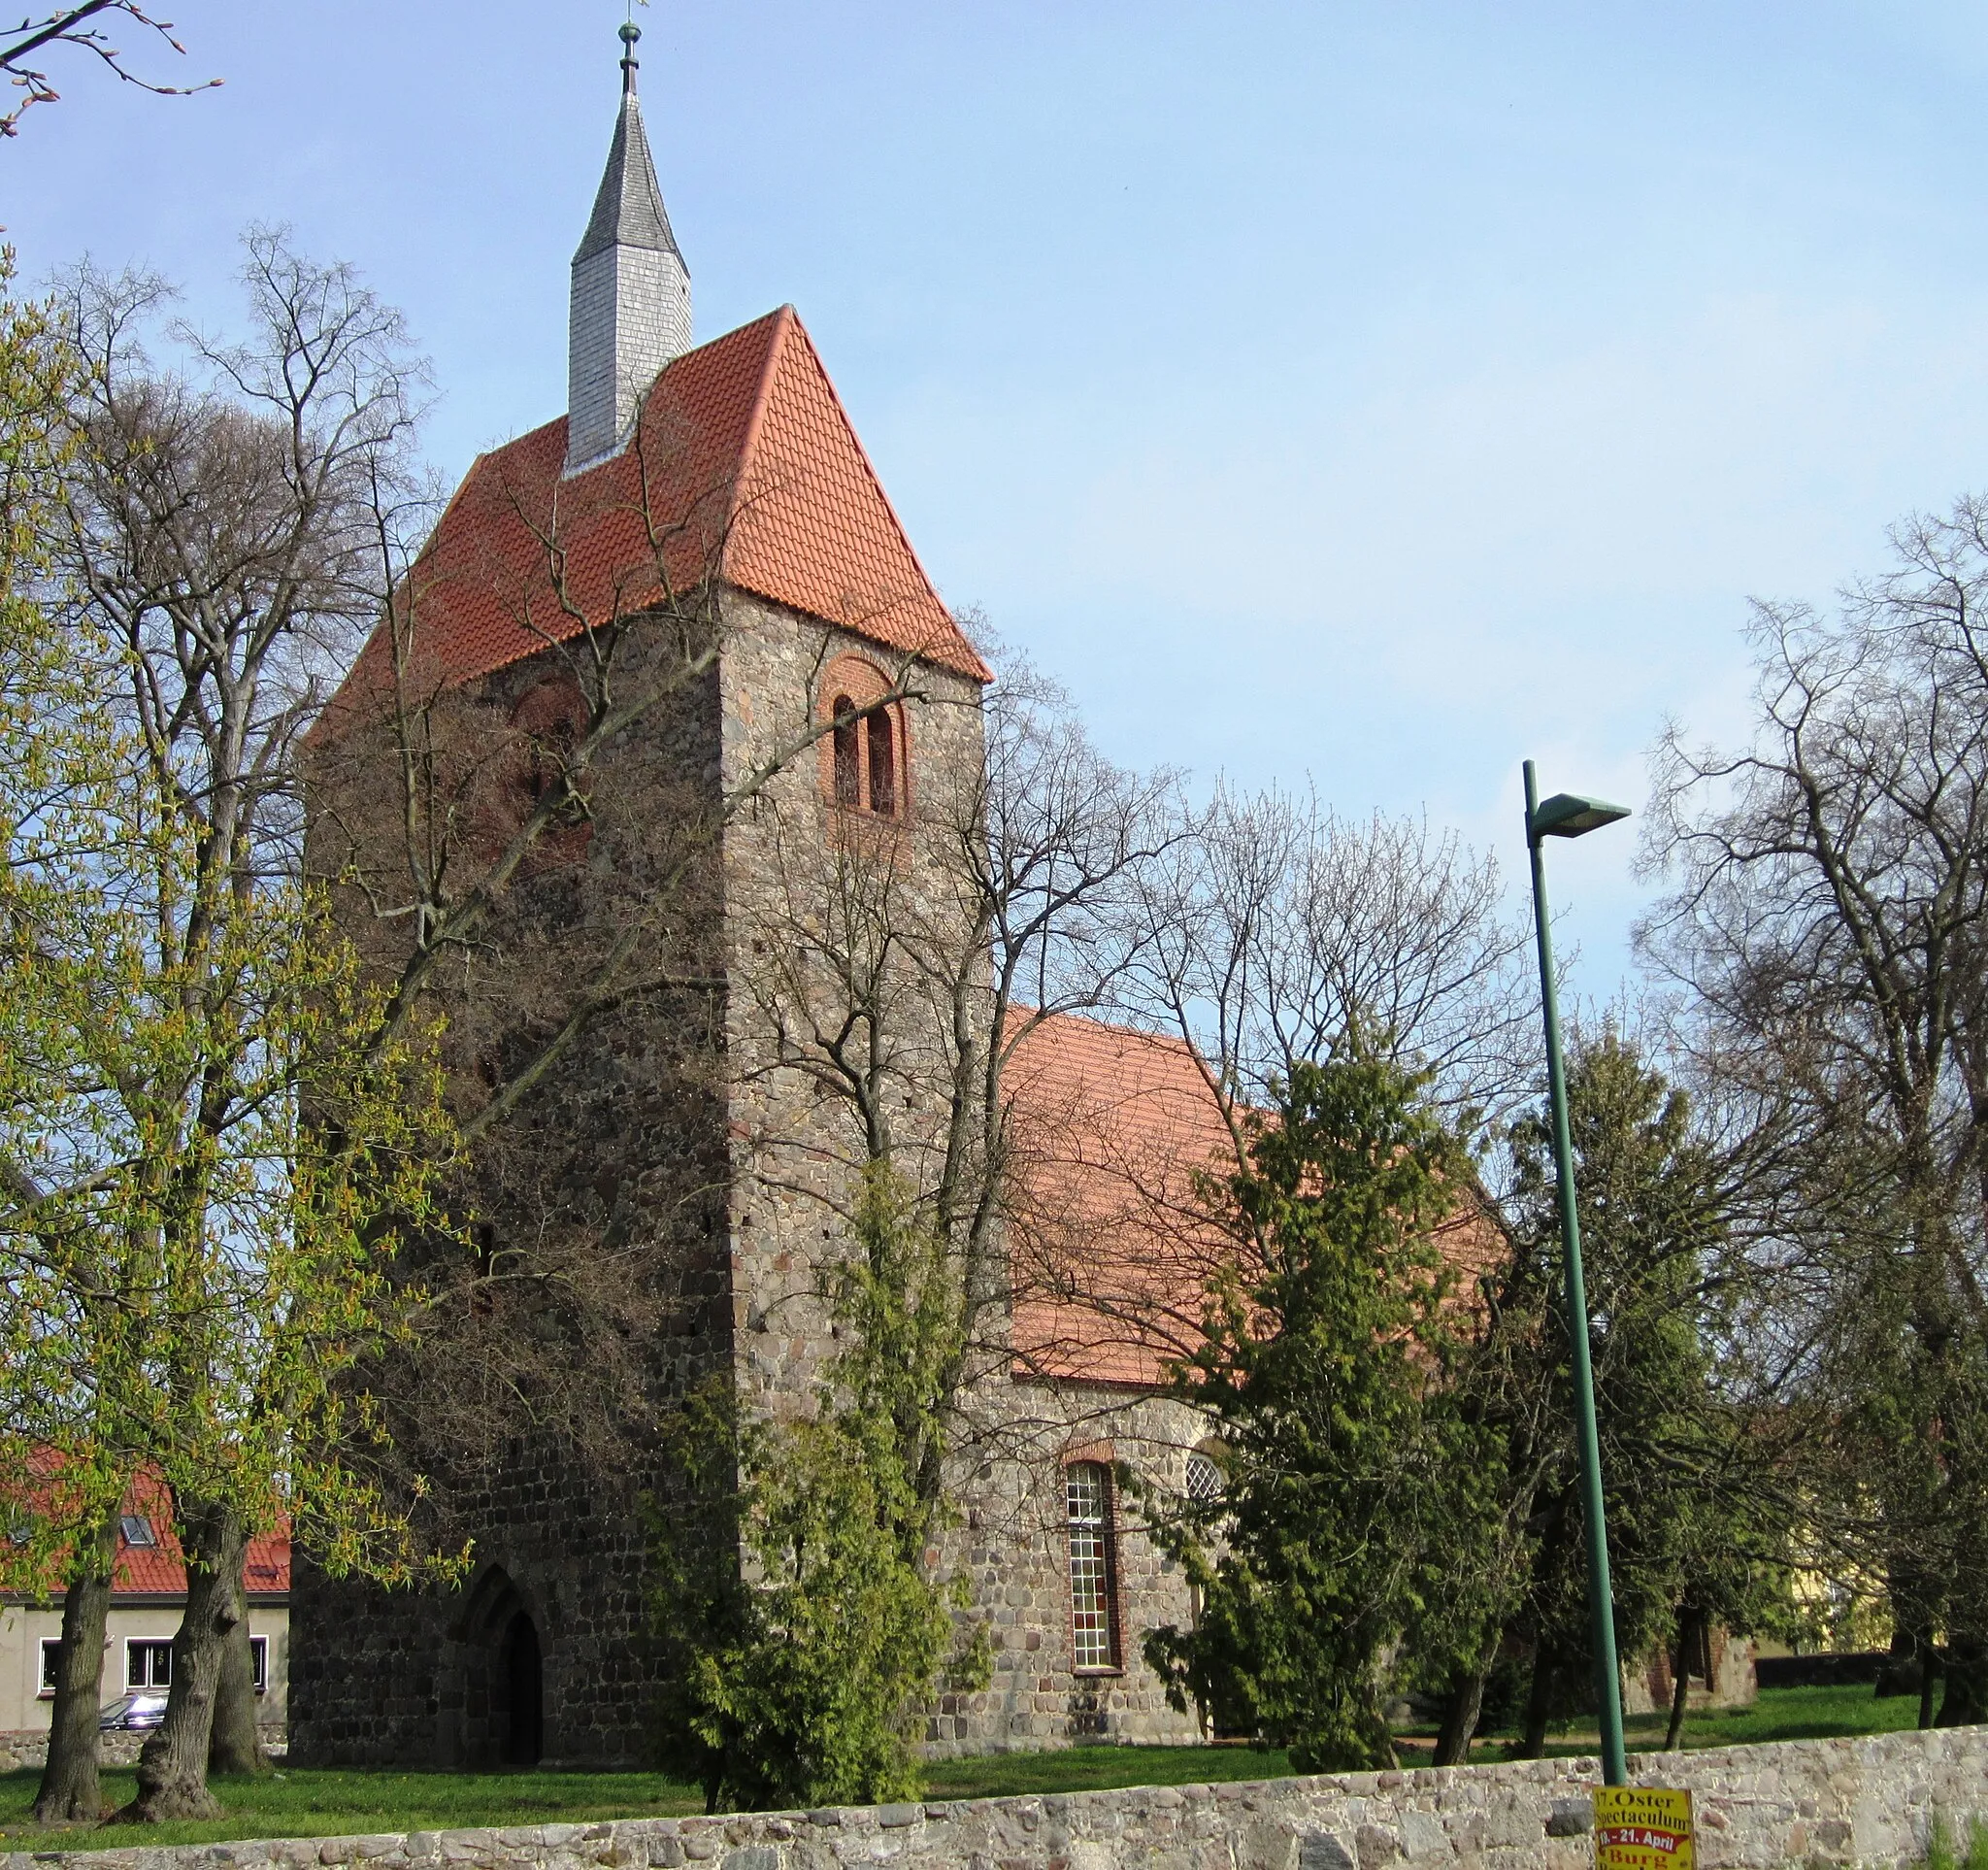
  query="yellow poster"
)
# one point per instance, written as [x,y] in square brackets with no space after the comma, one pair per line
[1642,1827]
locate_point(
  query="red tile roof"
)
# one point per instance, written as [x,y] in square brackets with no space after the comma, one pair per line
[159,1569]
[1110,1256]
[743,461]
[1109,1251]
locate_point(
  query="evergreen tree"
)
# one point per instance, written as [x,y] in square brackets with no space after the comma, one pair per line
[1692,1539]
[1356,1486]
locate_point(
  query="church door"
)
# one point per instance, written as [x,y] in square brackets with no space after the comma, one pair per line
[524,1694]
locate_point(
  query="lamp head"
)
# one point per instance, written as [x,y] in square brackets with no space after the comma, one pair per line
[1567,815]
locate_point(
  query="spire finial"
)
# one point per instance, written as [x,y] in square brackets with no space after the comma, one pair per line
[630,33]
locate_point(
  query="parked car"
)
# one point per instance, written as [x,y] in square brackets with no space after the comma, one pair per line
[132,1714]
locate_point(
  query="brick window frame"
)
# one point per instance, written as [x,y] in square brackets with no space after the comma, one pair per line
[1091,1578]
[866,759]
[548,720]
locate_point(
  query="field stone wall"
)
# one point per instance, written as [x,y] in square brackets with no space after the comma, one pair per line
[637,1150]
[1815,1803]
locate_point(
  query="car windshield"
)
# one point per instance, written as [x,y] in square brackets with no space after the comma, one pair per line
[134,1704]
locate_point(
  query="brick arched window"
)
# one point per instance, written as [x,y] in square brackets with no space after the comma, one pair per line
[548,721]
[1093,1567]
[865,766]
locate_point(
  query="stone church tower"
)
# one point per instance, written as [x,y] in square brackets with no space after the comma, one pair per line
[830,709]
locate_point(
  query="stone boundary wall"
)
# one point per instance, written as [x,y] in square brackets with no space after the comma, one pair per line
[28,1747]
[1810,1803]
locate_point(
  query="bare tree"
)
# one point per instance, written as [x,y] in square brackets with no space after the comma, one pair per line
[1276,929]
[531,857]
[80,28]
[1828,919]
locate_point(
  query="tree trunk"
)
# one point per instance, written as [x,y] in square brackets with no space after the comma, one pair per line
[1681,1684]
[172,1768]
[1538,1708]
[1898,1673]
[69,1792]
[1461,1708]
[235,1744]
[1965,1703]
[1928,1673]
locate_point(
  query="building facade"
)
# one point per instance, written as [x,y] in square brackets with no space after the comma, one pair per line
[148,1597]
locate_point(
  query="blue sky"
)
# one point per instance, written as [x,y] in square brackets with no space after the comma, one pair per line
[1376,394]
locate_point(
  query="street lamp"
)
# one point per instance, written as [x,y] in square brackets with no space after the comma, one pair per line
[1566,815]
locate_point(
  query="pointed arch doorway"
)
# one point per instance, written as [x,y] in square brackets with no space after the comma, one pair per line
[493,1701]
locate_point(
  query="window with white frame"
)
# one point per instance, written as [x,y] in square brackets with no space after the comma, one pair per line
[259,1653]
[148,1664]
[51,1661]
[1094,1644]
[1204,1480]
[137,1529]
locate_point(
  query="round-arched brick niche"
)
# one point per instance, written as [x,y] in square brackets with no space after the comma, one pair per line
[866,756]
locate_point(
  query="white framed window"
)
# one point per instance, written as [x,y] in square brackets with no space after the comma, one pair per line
[51,1661]
[258,1655]
[148,1664]
[1093,1626]
[137,1530]
[1204,1480]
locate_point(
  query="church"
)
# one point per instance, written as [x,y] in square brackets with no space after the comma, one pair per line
[708,507]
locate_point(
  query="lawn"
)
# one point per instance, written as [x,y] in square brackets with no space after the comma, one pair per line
[1780,1714]
[326,1804]
[305,1804]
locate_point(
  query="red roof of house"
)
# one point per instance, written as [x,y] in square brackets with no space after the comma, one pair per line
[159,1570]
[744,463]
[156,1566]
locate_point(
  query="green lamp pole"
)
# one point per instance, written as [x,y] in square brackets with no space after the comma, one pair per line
[1564,815]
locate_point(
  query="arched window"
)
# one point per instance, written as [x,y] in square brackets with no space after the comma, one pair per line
[849,759]
[550,718]
[1093,1562]
[865,757]
[882,767]
[1204,1480]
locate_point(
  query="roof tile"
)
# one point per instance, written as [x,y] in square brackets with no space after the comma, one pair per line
[744,460]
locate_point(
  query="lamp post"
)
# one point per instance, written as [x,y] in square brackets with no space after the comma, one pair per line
[1566,815]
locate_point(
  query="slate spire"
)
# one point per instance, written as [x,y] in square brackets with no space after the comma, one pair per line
[631,290]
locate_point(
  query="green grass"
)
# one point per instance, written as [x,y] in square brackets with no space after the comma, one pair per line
[1778,1714]
[329,1804]
[340,1804]
[1097,1769]
[1946,1855]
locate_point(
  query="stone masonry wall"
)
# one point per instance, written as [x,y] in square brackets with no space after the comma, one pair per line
[739,1202]
[1013,1542]
[796,870]
[1871,1803]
